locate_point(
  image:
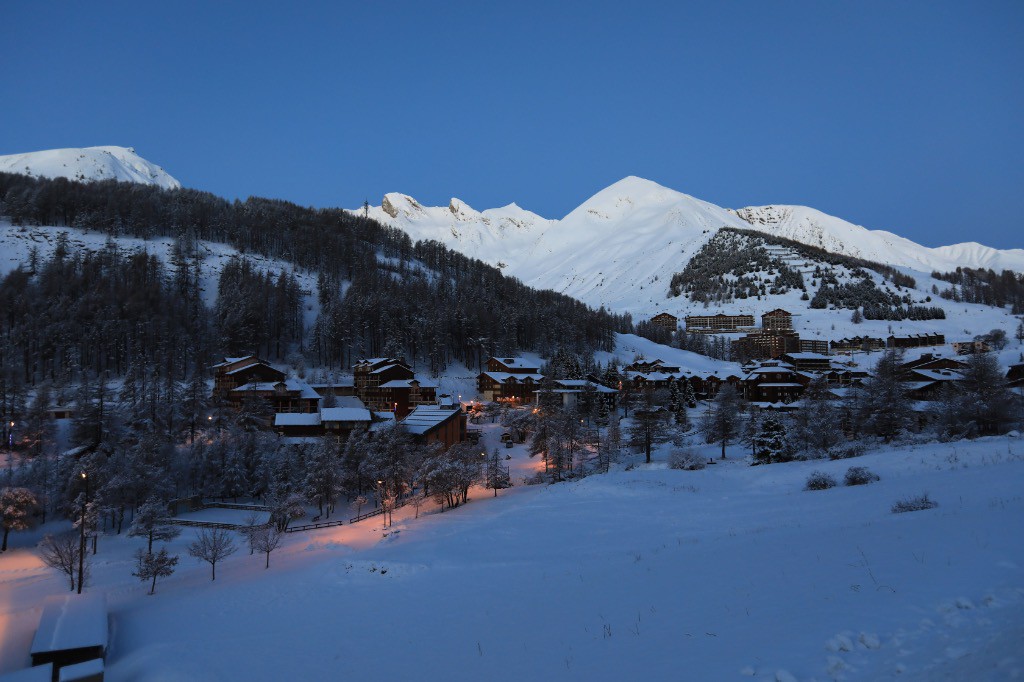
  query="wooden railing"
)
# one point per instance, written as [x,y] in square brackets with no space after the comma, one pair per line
[314,526]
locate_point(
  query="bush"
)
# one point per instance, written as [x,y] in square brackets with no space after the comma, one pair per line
[860,476]
[819,480]
[847,452]
[914,504]
[687,460]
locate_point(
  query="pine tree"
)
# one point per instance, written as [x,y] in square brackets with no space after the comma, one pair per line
[496,475]
[770,445]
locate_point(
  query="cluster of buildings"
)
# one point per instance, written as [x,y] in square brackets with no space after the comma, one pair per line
[517,380]
[380,391]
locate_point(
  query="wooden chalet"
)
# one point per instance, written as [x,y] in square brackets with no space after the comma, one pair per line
[777,320]
[915,341]
[927,384]
[231,373]
[512,365]
[813,362]
[772,382]
[1015,375]
[350,415]
[856,343]
[286,395]
[571,390]
[720,322]
[933,362]
[445,424]
[647,366]
[390,384]
[666,321]
[508,386]
[509,379]
[970,347]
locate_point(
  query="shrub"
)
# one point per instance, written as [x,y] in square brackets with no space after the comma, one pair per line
[819,480]
[847,452]
[687,460]
[914,504]
[860,476]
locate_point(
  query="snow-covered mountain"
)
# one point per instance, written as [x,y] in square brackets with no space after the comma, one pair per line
[620,248]
[89,164]
[810,226]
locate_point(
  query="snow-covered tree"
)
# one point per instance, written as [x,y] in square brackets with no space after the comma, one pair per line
[149,566]
[212,546]
[816,426]
[885,407]
[720,424]
[496,475]
[17,511]
[153,523]
[771,445]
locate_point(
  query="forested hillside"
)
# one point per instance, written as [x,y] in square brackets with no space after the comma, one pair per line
[378,293]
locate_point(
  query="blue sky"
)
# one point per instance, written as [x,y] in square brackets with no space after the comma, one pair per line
[894,115]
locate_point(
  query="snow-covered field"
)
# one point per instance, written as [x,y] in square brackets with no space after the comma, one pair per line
[650,573]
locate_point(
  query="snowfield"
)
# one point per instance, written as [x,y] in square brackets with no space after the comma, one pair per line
[89,164]
[733,572]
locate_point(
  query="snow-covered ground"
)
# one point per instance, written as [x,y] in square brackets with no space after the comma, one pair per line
[649,573]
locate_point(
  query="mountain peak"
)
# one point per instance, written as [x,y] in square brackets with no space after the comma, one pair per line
[89,164]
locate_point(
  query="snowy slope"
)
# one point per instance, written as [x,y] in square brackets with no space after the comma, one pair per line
[89,164]
[647,574]
[618,249]
[810,226]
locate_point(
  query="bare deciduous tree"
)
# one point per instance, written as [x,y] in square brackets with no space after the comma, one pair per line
[61,552]
[212,546]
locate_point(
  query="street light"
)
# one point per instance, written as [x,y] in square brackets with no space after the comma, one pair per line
[81,542]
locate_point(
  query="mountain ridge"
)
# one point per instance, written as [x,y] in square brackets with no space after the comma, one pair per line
[89,164]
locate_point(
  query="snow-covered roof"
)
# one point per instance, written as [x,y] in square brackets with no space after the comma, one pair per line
[426,418]
[344,414]
[779,385]
[231,361]
[407,383]
[37,673]
[73,621]
[299,440]
[807,356]
[384,368]
[517,363]
[938,375]
[290,384]
[340,382]
[349,401]
[296,419]
[577,386]
[502,377]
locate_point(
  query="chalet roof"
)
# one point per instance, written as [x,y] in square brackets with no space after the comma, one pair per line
[807,356]
[779,385]
[296,419]
[291,384]
[502,377]
[299,440]
[779,311]
[349,401]
[73,621]
[425,419]
[344,414]
[231,361]
[577,385]
[516,363]
[937,375]
[253,364]
[407,383]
